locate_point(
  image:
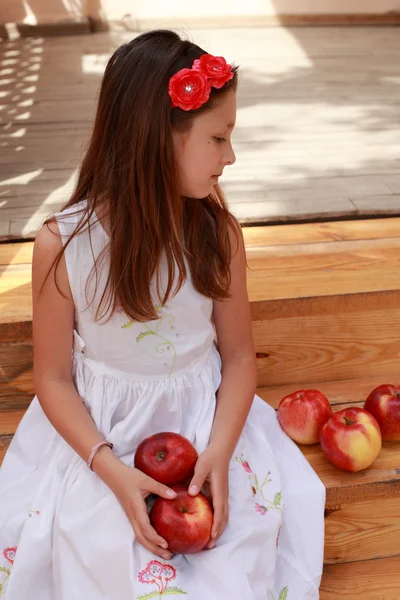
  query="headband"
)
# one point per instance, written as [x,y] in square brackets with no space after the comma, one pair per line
[190,88]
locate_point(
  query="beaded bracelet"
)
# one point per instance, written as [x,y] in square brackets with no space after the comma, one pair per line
[95,449]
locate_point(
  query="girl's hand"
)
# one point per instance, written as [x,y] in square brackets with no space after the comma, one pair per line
[131,488]
[213,466]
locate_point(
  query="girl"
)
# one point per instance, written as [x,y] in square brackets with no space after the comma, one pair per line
[130,282]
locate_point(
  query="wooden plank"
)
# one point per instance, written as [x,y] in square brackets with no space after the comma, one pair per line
[345,342]
[340,393]
[364,530]
[16,254]
[5,441]
[380,480]
[10,421]
[15,293]
[16,384]
[275,272]
[363,580]
[323,270]
[311,233]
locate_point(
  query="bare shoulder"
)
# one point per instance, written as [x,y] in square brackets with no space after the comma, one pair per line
[45,265]
[48,238]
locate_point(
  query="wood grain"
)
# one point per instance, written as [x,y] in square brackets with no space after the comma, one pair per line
[364,580]
[322,347]
[311,233]
[380,480]
[364,530]
[16,254]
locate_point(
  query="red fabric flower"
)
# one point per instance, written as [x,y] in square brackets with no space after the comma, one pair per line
[189,89]
[215,68]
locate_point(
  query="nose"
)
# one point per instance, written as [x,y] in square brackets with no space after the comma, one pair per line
[230,157]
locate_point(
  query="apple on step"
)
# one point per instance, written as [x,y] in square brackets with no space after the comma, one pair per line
[184,522]
[302,414]
[384,404]
[351,439]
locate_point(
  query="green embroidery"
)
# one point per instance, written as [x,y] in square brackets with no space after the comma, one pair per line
[283,594]
[3,582]
[257,488]
[165,345]
[166,592]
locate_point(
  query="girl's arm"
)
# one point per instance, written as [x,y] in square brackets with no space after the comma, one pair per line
[232,320]
[53,325]
[235,395]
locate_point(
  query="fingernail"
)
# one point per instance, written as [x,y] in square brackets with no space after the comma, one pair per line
[193,489]
[214,535]
[171,493]
[166,556]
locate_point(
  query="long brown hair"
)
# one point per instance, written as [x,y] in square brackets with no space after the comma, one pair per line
[130,171]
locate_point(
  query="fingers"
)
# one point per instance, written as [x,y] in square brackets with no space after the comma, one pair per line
[221,511]
[198,479]
[151,486]
[153,548]
[146,535]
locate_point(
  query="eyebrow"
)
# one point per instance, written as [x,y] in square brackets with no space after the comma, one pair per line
[230,125]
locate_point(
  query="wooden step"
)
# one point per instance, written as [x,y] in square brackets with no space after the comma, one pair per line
[281,258]
[364,580]
[380,481]
[325,299]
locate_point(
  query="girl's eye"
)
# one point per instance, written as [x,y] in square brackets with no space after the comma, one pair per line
[219,140]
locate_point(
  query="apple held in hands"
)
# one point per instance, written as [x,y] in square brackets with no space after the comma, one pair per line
[167,457]
[351,439]
[302,414]
[384,404]
[184,522]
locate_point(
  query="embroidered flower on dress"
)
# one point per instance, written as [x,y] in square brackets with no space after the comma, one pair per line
[244,464]
[159,574]
[9,554]
[261,509]
[258,488]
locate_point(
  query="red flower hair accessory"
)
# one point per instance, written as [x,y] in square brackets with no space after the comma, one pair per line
[190,88]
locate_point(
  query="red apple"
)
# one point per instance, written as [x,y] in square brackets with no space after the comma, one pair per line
[184,522]
[351,439]
[167,457]
[302,414]
[384,404]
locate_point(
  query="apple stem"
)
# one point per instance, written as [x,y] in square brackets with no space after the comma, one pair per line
[348,421]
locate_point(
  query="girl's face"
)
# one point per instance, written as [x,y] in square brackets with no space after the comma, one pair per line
[204,151]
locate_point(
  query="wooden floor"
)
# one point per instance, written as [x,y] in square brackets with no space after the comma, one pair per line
[317,136]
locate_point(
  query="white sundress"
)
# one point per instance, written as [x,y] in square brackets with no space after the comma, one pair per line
[63,534]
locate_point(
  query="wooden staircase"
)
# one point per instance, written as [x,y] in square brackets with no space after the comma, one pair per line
[325,303]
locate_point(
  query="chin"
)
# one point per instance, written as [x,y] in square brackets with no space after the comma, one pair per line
[200,195]
[200,192]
